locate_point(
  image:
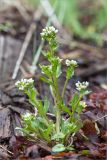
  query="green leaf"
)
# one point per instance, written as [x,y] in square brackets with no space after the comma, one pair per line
[47,70]
[85,92]
[79,109]
[48,55]
[41,108]
[41,123]
[58,148]
[33,93]
[85,152]
[46,105]
[58,71]
[58,136]
[66,109]
[33,102]
[67,127]
[69,148]
[79,125]
[70,72]
[74,101]
[47,132]
[46,80]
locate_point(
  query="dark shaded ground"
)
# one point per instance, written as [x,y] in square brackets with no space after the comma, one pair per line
[92,67]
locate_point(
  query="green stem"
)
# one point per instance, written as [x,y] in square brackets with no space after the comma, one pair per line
[58,114]
[58,119]
[64,88]
[56,96]
[57,100]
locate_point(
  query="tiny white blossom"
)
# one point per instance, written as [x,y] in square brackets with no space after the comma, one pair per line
[26,115]
[71,63]
[30,80]
[59,59]
[83,104]
[44,68]
[23,83]
[21,88]
[48,32]
[67,62]
[17,83]
[81,85]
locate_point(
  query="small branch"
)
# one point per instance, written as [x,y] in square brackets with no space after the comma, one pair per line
[36,58]
[2,40]
[23,49]
[6,150]
[22,10]
[28,37]
[100,118]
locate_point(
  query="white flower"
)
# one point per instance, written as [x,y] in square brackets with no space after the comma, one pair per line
[83,104]
[17,83]
[46,69]
[71,63]
[21,88]
[48,32]
[81,85]
[67,62]
[26,115]
[59,59]
[23,83]
[30,80]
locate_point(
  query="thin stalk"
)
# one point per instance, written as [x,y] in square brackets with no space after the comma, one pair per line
[58,114]
[64,88]
[58,119]
[57,99]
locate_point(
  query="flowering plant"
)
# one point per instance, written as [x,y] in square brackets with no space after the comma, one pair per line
[38,125]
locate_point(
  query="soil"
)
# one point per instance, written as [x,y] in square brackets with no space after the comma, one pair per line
[92,67]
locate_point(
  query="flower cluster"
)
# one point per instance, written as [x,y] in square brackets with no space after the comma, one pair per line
[81,85]
[83,104]
[24,83]
[59,59]
[28,115]
[56,60]
[49,33]
[46,69]
[71,63]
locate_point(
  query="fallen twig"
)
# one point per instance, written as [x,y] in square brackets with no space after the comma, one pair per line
[28,37]
[22,10]
[1,49]
[6,150]
[100,118]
